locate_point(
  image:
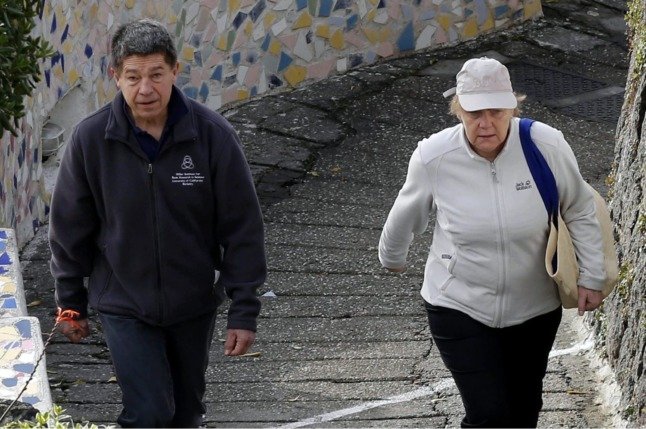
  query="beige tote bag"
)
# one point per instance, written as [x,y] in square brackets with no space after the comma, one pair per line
[566,275]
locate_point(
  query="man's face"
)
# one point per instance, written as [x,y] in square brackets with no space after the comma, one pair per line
[487,130]
[146,83]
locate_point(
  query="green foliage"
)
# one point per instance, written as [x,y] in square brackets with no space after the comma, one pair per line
[19,56]
[55,419]
[626,278]
[641,223]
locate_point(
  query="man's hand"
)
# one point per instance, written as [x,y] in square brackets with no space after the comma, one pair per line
[238,341]
[589,299]
[74,330]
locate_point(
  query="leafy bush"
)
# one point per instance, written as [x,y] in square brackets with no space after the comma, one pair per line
[19,55]
[53,419]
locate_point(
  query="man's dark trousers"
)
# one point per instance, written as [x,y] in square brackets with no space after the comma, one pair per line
[161,370]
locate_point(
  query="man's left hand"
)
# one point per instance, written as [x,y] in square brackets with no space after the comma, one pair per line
[589,299]
[238,341]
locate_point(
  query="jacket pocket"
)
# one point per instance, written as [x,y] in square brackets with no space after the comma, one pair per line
[99,281]
[440,269]
[105,287]
[447,260]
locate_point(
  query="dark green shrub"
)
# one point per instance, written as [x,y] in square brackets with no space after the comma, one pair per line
[19,56]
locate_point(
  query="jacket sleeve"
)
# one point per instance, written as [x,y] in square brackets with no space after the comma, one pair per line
[240,233]
[579,213]
[73,225]
[408,216]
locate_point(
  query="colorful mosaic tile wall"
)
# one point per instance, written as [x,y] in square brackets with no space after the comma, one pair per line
[21,343]
[231,50]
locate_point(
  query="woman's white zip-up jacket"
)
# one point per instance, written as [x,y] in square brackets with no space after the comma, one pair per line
[488,250]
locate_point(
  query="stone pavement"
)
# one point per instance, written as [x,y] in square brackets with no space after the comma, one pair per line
[341,342]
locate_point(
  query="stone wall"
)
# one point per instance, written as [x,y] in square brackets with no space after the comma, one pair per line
[622,324]
[230,51]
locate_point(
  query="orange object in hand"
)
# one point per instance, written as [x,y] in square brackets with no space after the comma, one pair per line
[71,325]
[67,316]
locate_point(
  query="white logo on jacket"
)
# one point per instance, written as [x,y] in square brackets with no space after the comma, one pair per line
[186,178]
[187,163]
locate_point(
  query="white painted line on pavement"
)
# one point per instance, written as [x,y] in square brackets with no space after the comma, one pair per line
[586,344]
[444,384]
[419,393]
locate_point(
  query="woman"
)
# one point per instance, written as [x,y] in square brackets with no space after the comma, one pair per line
[492,309]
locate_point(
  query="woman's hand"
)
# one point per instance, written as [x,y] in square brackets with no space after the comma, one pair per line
[589,299]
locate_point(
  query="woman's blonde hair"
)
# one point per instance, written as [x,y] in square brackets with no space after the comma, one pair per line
[456,109]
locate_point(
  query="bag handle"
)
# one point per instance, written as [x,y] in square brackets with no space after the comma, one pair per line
[541,172]
[543,176]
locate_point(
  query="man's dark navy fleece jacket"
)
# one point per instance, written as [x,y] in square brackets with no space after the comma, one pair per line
[150,234]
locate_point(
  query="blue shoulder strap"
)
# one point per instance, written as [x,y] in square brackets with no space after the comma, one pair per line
[540,170]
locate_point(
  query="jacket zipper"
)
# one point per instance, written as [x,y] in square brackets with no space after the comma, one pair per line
[156,241]
[501,286]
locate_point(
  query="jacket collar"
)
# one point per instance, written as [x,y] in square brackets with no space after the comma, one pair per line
[119,125]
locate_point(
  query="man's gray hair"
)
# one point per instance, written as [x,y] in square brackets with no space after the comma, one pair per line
[142,37]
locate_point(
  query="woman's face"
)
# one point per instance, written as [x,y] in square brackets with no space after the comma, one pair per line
[487,130]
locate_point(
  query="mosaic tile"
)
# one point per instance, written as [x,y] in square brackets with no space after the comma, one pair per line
[204,91]
[323,31]
[325,8]
[319,48]
[337,40]
[352,21]
[285,60]
[242,73]
[342,65]
[257,10]
[283,5]
[501,10]
[252,75]
[258,33]
[275,47]
[312,6]
[381,17]
[192,12]
[355,60]
[470,28]
[532,8]
[425,38]
[303,20]
[268,20]
[295,74]
[279,27]
[190,91]
[240,40]
[303,49]
[336,21]
[320,70]
[65,33]
[289,41]
[21,345]
[406,41]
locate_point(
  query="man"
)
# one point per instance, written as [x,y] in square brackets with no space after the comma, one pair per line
[153,196]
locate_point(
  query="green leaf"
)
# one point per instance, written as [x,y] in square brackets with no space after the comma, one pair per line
[20,55]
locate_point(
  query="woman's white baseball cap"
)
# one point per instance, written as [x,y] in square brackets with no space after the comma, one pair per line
[483,83]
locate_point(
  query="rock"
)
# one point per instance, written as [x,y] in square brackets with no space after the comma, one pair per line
[625,310]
